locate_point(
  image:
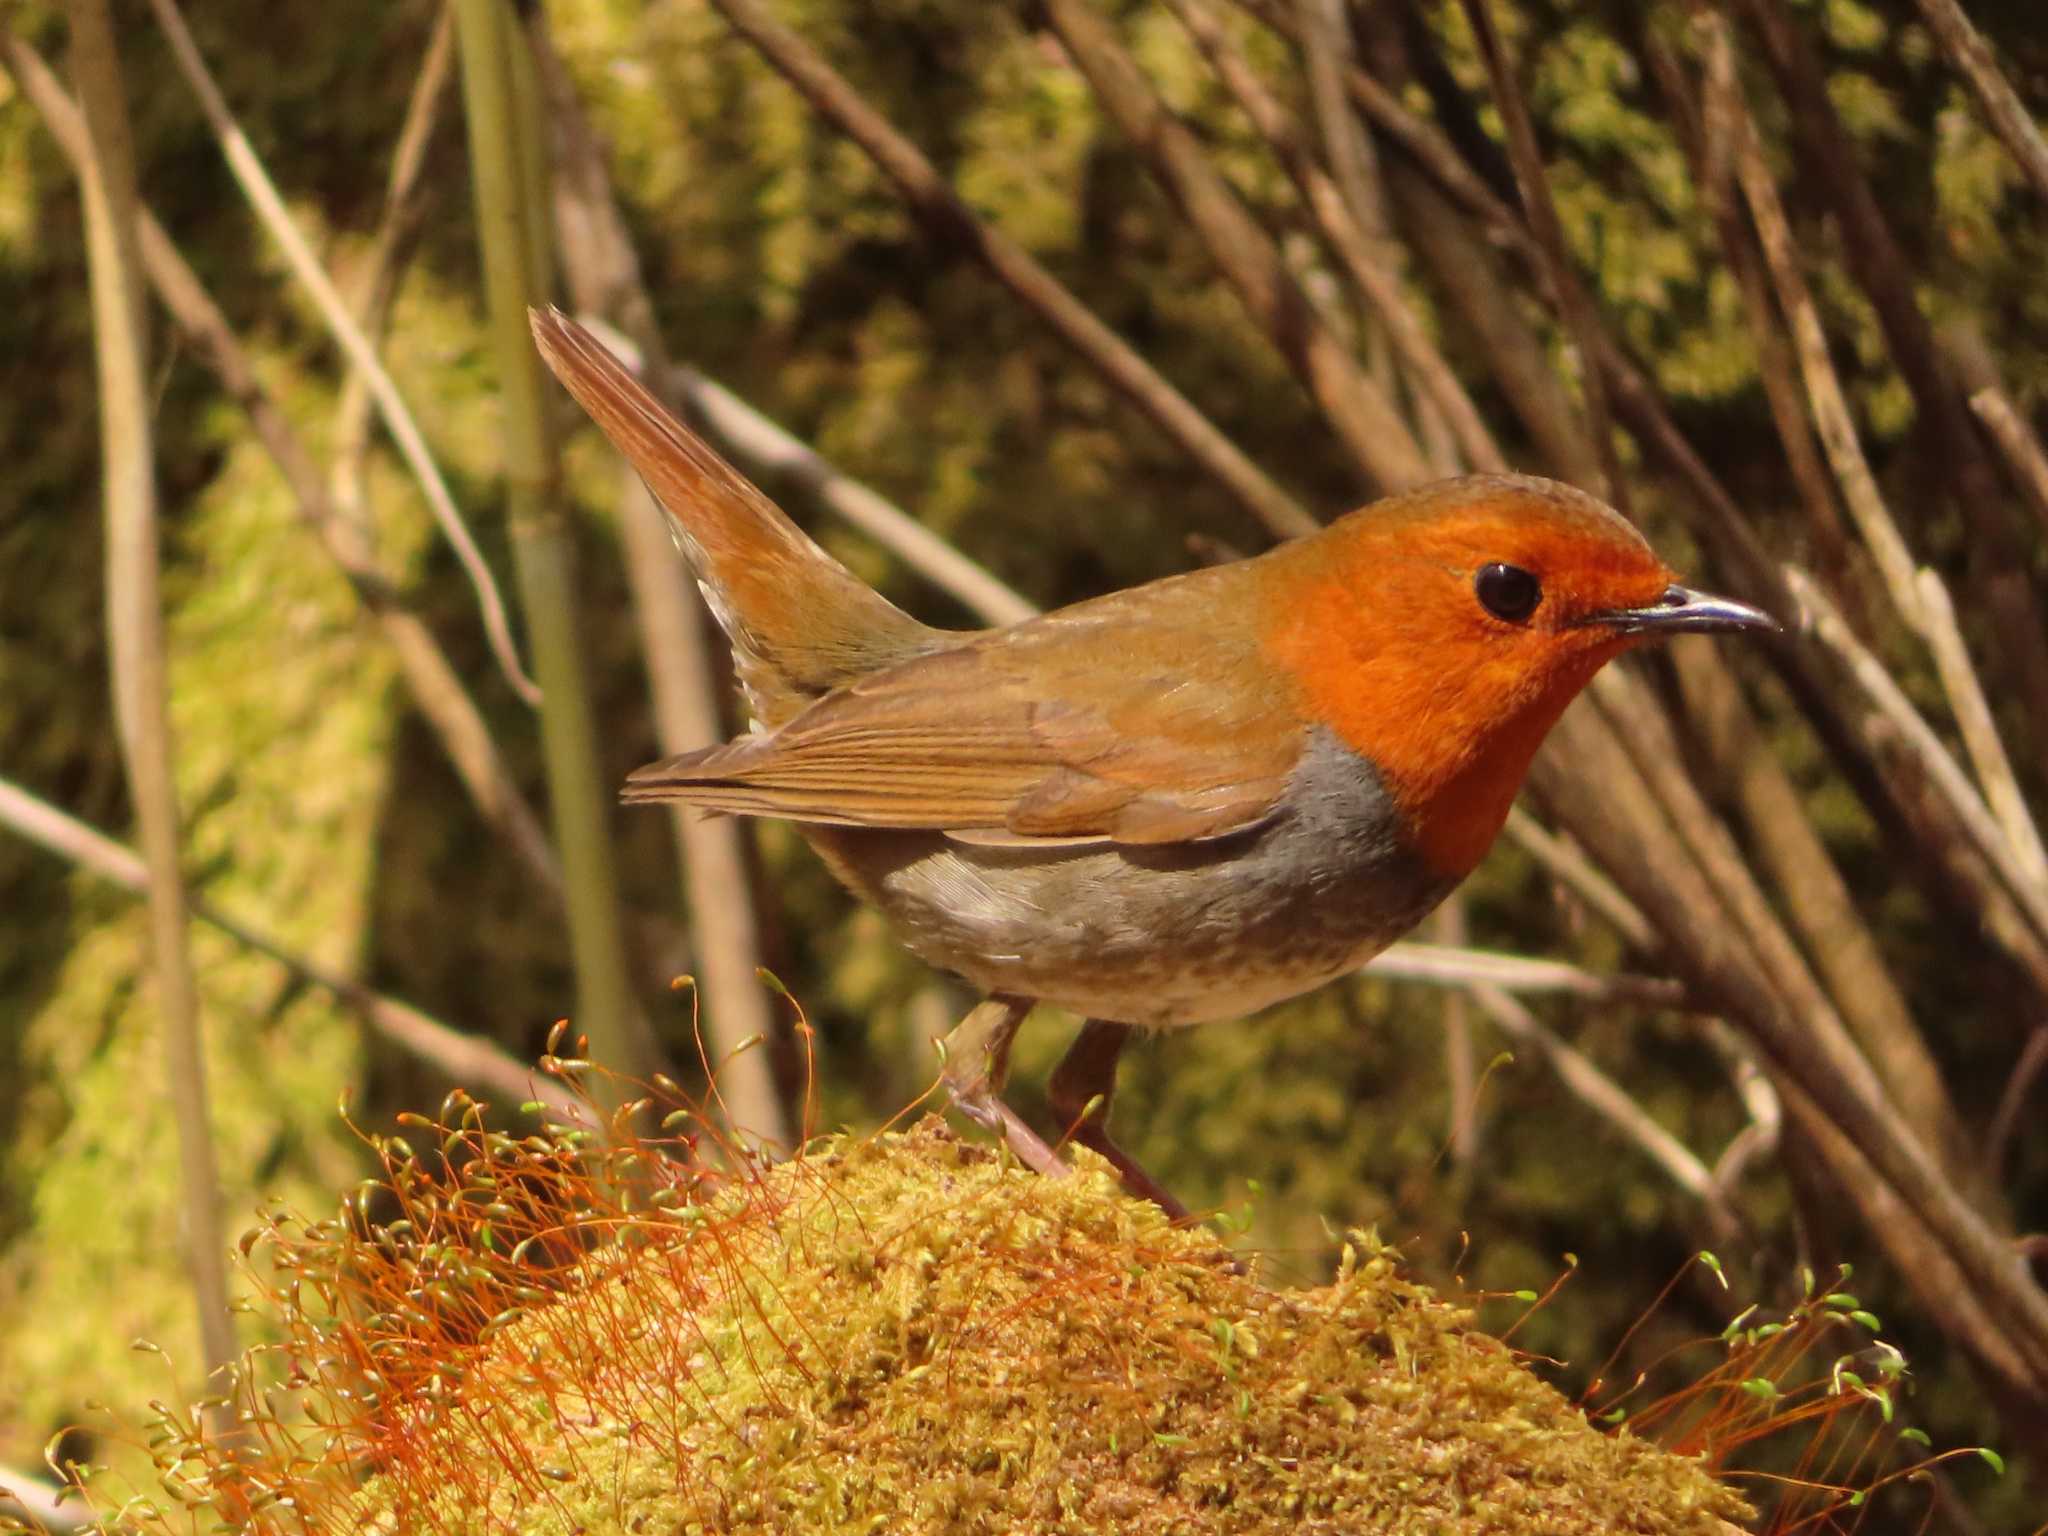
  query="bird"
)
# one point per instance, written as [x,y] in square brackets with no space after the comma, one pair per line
[1171,804]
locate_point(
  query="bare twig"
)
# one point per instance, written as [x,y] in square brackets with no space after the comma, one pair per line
[921,186]
[136,633]
[1759,1138]
[1450,965]
[1607,1099]
[2000,103]
[1364,260]
[407,198]
[1918,594]
[462,1058]
[1363,418]
[1826,625]
[1571,868]
[1709,137]
[1876,1160]
[2016,440]
[2012,1103]
[1420,140]
[263,196]
[1736,759]
[1998,565]
[1574,302]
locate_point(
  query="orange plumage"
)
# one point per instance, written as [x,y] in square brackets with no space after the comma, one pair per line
[1178,802]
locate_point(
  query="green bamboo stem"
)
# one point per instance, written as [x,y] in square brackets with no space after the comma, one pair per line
[511,211]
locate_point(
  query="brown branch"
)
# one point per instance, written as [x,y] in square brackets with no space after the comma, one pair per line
[1709,144]
[927,194]
[1916,593]
[1999,102]
[1449,964]
[1427,148]
[1589,777]
[2016,440]
[407,198]
[1824,622]
[1574,303]
[1736,757]
[1998,564]
[1354,406]
[462,1058]
[1563,862]
[2012,1103]
[1365,261]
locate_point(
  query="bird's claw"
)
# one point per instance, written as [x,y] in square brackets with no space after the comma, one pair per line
[980,1105]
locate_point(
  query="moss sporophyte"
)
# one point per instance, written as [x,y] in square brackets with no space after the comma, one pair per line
[585,1330]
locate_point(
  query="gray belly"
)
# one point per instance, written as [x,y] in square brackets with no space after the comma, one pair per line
[1160,936]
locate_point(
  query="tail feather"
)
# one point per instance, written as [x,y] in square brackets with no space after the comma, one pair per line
[800,623]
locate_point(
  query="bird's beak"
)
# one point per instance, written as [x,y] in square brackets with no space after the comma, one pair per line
[1682,611]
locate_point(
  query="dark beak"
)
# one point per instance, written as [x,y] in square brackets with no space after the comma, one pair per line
[1683,611]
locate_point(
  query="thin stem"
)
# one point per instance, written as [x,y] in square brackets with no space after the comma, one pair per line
[719,885]
[1355,408]
[1365,260]
[1999,102]
[437,690]
[263,196]
[503,159]
[462,1058]
[926,192]
[136,625]
[2016,440]
[1574,302]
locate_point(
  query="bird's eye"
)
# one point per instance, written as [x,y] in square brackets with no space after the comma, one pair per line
[1507,591]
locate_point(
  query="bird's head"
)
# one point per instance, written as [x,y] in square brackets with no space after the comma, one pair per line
[1441,633]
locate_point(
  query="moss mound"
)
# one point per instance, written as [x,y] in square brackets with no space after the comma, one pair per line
[906,1334]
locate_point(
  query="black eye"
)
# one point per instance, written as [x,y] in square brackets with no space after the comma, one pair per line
[1507,591]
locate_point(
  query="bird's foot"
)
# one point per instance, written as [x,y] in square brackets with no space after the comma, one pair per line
[998,1119]
[977,1060]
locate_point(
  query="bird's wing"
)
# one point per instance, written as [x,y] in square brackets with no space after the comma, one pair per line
[1122,724]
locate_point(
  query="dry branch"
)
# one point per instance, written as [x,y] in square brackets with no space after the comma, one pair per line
[1365,260]
[1355,408]
[927,194]
[263,197]
[1999,102]
[462,1058]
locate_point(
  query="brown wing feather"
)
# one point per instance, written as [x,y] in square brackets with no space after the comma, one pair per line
[1140,723]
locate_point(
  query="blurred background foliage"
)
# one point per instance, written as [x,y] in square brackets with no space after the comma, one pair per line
[784,266]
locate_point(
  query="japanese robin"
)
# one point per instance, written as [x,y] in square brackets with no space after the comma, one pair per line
[1174,803]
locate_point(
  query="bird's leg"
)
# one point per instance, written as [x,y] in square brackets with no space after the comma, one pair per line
[977,1061]
[1082,1085]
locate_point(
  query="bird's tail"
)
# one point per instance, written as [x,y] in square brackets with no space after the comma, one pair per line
[800,623]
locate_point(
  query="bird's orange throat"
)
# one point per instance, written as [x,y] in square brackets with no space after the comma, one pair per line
[1449,716]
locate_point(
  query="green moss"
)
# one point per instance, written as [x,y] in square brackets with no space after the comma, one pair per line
[909,1334]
